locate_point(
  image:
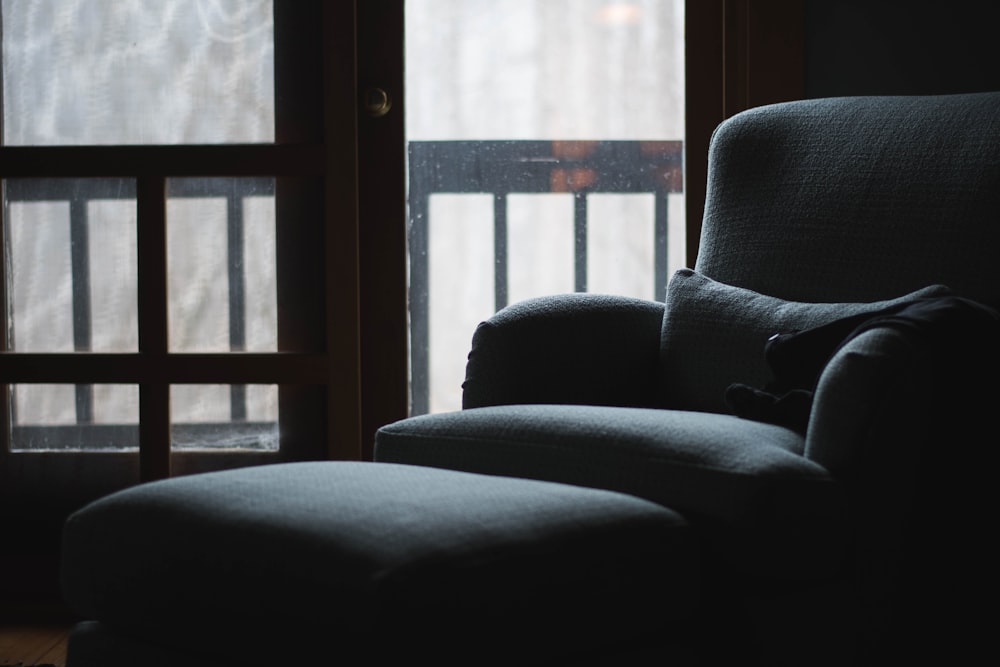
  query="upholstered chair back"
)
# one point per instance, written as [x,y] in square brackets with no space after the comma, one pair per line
[857,199]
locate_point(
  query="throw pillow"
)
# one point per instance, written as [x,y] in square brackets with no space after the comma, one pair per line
[714,335]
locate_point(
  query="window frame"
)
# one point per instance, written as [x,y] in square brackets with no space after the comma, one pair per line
[297,156]
[314,161]
[738,54]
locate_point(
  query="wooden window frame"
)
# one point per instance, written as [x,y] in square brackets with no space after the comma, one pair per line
[313,207]
[314,161]
[738,54]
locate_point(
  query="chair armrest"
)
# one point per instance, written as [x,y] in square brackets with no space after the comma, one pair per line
[937,364]
[872,368]
[906,420]
[585,349]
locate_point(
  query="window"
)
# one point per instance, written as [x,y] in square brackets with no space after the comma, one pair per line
[561,145]
[168,199]
[546,142]
[180,273]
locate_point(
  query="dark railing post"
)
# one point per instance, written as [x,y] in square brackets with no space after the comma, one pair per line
[419,201]
[500,250]
[80,281]
[580,241]
[237,294]
[78,194]
[660,247]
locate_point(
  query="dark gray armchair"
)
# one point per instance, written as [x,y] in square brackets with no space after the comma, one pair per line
[840,488]
[789,462]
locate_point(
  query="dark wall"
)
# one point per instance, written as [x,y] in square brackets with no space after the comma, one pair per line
[876,47]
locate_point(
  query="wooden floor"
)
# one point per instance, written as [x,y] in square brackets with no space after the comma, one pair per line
[33,645]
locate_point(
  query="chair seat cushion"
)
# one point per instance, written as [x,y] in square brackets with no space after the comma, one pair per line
[337,559]
[746,482]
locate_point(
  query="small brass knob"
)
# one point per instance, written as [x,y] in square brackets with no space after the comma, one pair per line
[377,102]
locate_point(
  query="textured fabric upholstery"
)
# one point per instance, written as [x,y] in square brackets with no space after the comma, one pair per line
[851,390]
[845,203]
[747,481]
[714,335]
[572,348]
[856,198]
[564,507]
[948,350]
[325,557]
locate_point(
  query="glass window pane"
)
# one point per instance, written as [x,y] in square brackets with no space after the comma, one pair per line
[224,417]
[540,236]
[163,72]
[42,280]
[71,244]
[44,404]
[259,270]
[113,275]
[620,243]
[579,102]
[221,265]
[116,404]
[65,417]
[545,69]
[462,231]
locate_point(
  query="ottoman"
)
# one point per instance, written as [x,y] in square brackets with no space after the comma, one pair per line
[368,563]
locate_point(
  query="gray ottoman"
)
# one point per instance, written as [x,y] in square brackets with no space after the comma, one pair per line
[363,563]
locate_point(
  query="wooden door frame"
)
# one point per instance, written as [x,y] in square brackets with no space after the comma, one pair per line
[738,54]
[381,156]
[315,166]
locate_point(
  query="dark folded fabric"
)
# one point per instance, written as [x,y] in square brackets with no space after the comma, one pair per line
[942,325]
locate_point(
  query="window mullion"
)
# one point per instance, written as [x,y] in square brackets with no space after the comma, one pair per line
[154,391]
[6,405]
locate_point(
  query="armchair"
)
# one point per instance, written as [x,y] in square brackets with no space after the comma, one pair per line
[628,474]
[856,534]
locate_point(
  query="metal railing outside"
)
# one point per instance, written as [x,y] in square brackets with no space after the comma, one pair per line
[497,168]
[78,193]
[502,168]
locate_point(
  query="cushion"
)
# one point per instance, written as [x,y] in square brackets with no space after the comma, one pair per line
[745,481]
[714,335]
[587,348]
[351,560]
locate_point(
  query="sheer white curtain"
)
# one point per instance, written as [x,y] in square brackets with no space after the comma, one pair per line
[137,71]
